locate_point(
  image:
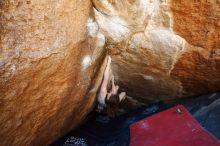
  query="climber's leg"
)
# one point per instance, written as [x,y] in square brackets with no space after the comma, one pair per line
[103,90]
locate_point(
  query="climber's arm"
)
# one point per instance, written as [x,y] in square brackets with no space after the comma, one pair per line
[115,88]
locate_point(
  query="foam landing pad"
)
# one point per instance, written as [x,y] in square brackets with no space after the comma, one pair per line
[173,127]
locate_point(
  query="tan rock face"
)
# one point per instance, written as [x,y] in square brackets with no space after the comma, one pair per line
[52,52]
[162,49]
[47,66]
[198,22]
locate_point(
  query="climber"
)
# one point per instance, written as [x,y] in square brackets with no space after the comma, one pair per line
[109,101]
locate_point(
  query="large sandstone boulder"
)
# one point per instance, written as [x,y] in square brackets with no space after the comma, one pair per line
[48,63]
[52,58]
[162,49]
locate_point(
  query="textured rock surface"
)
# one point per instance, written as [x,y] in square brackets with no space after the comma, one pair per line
[162,49]
[198,22]
[198,69]
[47,64]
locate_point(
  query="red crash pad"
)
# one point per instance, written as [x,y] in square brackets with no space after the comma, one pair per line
[173,127]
